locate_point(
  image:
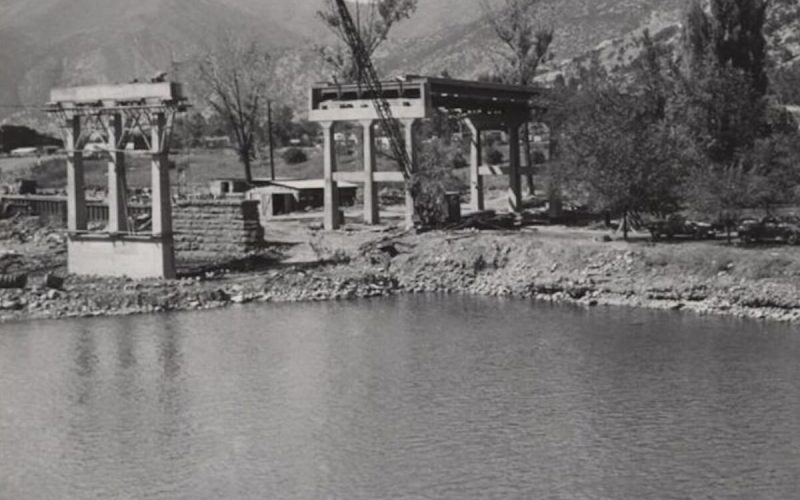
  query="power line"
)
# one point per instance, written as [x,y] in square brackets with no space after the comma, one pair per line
[21,106]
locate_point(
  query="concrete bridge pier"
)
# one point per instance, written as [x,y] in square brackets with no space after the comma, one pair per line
[476,199]
[371,209]
[331,196]
[120,112]
[514,174]
[117,185]
[76,188]
[411,150]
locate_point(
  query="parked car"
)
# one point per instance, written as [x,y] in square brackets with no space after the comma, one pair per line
[769,229]
[677,226]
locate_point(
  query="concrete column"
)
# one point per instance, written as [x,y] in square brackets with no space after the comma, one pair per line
[514,178]
[117,192]
[371,208]
[160,186]
[76,194]
[161,196]
[332,221]
[475,160]
[411,150]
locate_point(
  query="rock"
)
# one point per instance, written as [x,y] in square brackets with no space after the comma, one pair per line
[11,305]
[238,299]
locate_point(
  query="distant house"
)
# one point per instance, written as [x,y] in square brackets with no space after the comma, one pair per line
[227,186]
[283,196]
[24,151]
[217,142]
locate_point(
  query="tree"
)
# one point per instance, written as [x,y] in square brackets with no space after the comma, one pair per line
[189,130]
[748,146]
[786,84]
[525,42]
[622,154]
[374,20]
[235,76]
[619,158]
[725,75]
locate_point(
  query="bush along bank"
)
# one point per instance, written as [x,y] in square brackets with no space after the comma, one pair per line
[705,278]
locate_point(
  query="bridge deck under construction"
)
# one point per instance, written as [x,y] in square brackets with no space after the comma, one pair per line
[483,106]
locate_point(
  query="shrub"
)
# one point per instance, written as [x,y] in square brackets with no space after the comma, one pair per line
[494,156]
[293,156]
[431,182]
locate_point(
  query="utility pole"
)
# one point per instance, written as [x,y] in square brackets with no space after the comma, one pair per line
[271,148]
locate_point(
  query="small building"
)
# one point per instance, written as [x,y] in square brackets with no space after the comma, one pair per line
[217,142]
[284,196]
[24,151]
[227,186]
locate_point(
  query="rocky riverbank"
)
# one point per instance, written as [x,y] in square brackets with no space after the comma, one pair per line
[548,265]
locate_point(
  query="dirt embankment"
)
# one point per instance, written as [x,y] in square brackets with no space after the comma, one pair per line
[546,264]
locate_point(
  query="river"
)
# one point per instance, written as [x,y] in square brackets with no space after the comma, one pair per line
[411,397]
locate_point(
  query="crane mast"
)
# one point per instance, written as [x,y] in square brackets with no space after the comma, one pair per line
[369,78]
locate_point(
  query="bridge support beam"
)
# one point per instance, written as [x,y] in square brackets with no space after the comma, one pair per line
[371,208]
[161,216]
[117,190]
[76,193]
[514,177]
[332,220]
[411,151]
[475,157]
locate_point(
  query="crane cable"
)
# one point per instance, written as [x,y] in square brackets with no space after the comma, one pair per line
[369,77]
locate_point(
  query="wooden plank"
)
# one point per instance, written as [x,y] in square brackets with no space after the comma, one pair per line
[349,176]
[389,177]
[503,170]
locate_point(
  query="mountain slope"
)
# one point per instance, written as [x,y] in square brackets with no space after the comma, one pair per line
[47,43]
[71,42]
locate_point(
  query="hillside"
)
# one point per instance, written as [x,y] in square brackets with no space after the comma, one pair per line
[71,42]
[46,43]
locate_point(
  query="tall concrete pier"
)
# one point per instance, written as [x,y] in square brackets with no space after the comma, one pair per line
[119,113]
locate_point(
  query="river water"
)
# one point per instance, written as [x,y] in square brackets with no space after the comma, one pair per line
[411,398]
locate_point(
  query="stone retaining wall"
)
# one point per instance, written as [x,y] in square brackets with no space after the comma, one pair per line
[221,227]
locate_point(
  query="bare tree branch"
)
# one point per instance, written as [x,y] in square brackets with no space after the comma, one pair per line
[374,20]
[235,74]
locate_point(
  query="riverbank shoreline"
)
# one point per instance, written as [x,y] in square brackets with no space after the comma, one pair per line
[550,265]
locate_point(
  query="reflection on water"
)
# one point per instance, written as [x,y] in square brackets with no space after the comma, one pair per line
[401,398]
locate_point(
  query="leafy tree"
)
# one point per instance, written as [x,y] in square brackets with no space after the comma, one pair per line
[235,75]
[748,146]
[431,182]
[621,154]
[189,130]
[726,81]
[525,44]
[786,84]
[293,156]
[374,20]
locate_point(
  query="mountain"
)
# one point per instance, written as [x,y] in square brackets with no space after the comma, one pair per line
[47,43]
